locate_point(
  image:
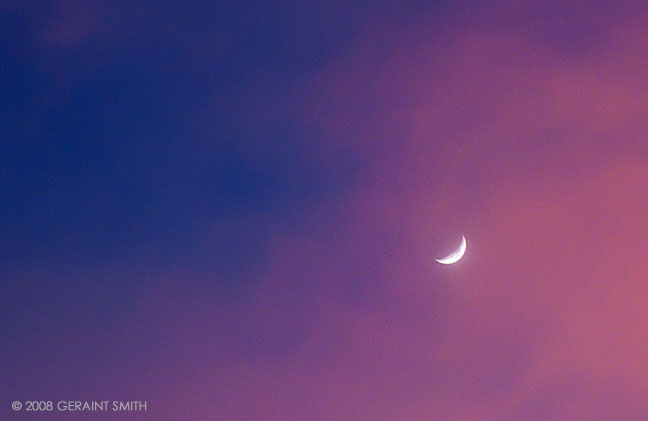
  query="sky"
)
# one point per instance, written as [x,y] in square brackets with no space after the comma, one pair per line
[232,210]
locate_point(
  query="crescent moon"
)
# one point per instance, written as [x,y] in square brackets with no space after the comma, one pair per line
[456,255]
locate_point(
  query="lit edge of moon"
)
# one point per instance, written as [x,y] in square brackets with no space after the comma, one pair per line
[456,255]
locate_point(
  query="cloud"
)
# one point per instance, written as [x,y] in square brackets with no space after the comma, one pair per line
[519,128]
[534,152]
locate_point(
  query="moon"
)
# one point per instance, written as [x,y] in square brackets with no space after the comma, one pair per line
[456,255]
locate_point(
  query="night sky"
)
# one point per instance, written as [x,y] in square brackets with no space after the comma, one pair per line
[231,210]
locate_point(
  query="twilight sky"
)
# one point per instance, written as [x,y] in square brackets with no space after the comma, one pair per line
[231,211]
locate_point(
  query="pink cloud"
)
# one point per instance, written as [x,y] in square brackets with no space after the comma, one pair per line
[538,157]
[534,153]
